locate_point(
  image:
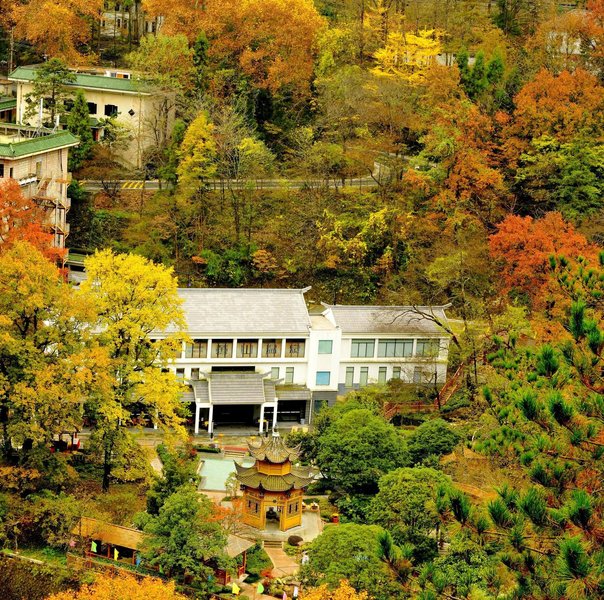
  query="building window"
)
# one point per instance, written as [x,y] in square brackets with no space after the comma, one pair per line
[289,374]
[68,104]
[222,348]
[417,375]
[1,169]
[382,374]
[92,108]
[11,172]
[364,377]
[110,110]
[395,348]
[294,348]
[195,374]
[396,372]
[252,507]
[180,373]
[293,508]
[427,347]
[323,377]
[247,348]
[197,349]
[271,348]
[349,377]
[362,348]
[275,373]
[325,346]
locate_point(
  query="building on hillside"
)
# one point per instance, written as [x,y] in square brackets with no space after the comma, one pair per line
[259,356]
[37,159]
[273,487]
[99,539]
[123,19]
[109,93]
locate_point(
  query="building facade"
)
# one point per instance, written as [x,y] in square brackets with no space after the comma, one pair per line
[146,118]
[260,356]
[37,159]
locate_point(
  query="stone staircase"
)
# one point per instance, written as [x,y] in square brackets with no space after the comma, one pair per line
[272,544]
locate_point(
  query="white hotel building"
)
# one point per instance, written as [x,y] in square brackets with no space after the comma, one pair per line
[259,356]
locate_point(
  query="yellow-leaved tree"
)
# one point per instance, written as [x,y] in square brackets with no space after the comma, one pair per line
[49,361]
[134,298]
[122,587]
[197,156]
[408,55]
[343,592]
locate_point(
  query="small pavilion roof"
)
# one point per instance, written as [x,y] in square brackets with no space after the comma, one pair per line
[273,450]
[298,479]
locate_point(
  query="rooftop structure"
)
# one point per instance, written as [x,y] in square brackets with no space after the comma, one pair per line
[110,93]
[37,159]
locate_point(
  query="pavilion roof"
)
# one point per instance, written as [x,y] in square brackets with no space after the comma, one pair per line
[297,479]
[273,450]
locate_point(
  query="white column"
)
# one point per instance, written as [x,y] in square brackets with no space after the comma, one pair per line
[211,420]
[197,409]
[274,416]
[261,427]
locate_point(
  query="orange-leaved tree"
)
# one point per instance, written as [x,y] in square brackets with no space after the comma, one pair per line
[22,219]
[271,42]
[523,246]
[558,106]
[58,28]
[123,587]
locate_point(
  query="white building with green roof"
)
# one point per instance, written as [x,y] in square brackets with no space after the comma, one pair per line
[37,159]
[109,92]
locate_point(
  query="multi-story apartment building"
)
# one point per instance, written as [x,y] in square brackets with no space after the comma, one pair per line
[109,93]
[260,355]
[37,159]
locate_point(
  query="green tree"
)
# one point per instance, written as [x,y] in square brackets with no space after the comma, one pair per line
[432,438]
[406,506]
[78,122]
[351,552]
[134,297]
[178,470]
[357,449]
[183,537]
[50,85]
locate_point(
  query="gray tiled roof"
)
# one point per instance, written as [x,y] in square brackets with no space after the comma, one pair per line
[245,311]
[388,319]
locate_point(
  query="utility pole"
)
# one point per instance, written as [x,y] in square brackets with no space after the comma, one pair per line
[11,51]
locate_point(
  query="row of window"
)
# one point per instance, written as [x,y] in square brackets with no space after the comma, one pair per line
[272,348]
[365,348]
[275,374]
[420,375]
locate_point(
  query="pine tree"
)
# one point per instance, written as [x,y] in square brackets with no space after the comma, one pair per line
[78,122]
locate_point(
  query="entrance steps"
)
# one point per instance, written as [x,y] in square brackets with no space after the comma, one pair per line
[235,453]
[272,544]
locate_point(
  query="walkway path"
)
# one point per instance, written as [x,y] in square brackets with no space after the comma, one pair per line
[219,184]
[283,563]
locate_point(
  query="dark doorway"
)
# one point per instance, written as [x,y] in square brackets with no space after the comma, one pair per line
[237,414]
[291,410]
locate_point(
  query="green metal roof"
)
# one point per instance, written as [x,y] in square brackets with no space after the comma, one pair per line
[87,81]
[38,144]
[6,103]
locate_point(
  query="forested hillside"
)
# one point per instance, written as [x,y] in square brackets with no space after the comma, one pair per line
[397,152]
